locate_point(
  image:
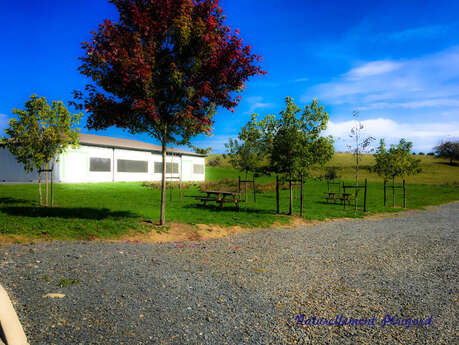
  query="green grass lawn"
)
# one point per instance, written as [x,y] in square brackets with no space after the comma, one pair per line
[109,210]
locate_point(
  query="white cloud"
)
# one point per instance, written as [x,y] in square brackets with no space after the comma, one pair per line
[371,69]
[429,81]
[423,135]
[256,102]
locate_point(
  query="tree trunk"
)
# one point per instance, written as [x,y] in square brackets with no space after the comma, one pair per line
[52,187]
[39,188]
[46,181]
[162,219]
[356,181]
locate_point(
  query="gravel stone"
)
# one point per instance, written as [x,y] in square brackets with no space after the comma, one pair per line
[247,288]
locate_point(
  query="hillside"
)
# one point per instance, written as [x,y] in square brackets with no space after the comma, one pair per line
[434,170]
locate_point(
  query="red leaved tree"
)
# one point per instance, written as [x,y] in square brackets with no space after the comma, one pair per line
[163,69]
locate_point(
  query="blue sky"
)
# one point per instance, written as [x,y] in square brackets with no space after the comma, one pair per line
[397,62]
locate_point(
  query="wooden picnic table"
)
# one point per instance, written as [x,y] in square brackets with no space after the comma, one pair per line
[346,197]
[220,197]
[331,196]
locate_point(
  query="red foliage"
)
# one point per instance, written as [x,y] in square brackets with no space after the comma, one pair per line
[165,63]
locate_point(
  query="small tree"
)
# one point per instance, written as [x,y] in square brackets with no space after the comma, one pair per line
[293,141]
[163,69]
[245,153]
[396,162]
[40,134]
[360,146]
[448,149]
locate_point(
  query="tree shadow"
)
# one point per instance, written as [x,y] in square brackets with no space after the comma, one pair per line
[448,164]
[229,208]
[9,200]
[66,212]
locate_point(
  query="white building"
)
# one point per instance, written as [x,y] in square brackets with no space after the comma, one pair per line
[106,159]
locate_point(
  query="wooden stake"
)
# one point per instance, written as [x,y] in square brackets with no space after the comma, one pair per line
[277,194]
[404,194]
[52,190]
[301,197]
[385,182]
[254,190]
[290,207]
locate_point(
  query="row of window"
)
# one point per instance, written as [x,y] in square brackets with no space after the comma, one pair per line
[131,166]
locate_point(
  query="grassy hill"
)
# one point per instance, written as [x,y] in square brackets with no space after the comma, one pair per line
[435,171]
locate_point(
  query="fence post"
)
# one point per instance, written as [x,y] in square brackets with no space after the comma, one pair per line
[393,192]
[180,187]
[365,197]
[404,194]
[254,190]
[277,194]
[301,197]
[239,185]
[385,182]
[290,207]
[344,198]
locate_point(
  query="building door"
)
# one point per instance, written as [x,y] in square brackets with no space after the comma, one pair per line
[187,169]
[75,166]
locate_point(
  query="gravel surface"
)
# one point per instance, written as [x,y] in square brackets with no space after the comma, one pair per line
[247,288]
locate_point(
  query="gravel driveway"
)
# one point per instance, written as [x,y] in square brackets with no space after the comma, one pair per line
[248,288]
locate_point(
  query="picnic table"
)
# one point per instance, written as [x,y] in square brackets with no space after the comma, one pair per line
[331,196]
[220,197]
[344,197]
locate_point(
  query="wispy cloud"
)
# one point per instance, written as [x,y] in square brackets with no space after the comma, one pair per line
[430,81]
[423,135]
[256,102]
[422,32]
[217,142]
[372,69]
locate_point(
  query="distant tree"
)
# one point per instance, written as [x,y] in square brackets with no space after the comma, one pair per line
[293,141]
[360,146]
[245,153]
[448,149]
[431,154]
[163,69]
[39,134]
[396,162]
[200,150]
[421,153]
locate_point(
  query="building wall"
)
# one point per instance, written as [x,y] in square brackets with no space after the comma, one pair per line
[12,171]
[76,166]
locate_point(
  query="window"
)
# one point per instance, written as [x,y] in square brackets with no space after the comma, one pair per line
[126,165]
[100,164]
[198,169]
[171,168]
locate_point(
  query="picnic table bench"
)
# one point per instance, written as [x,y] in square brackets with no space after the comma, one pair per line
[220,197]
[344,197]
[331,196]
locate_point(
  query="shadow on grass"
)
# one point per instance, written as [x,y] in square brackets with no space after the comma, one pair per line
[229,208]
[66,212]
[9,200]
[448,164]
